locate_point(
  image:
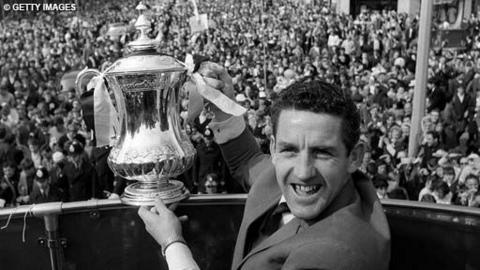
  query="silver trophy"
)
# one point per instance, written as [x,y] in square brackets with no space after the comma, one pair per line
[150,146]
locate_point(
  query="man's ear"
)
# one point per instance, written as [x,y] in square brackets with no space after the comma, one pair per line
[356,157]
[272,148]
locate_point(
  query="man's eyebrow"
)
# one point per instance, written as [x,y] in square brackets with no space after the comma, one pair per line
[286,144]
[328,148]
[324,148]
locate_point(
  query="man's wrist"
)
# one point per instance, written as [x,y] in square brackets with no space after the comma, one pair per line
[221,116]
[228,129]
[171,241]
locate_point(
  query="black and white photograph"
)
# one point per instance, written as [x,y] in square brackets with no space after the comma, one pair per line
[239,134]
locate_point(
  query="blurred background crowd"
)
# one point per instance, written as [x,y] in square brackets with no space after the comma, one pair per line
[47,152]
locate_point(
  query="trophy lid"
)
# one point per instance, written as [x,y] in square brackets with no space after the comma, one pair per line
[144,57]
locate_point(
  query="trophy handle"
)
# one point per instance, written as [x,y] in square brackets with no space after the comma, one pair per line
[81,82]
[83,78]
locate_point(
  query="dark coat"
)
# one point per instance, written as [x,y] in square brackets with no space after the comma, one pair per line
[81,181]
[454,113]
[438,99]
[104,173]
[52,195]
[460,107]
[209,160]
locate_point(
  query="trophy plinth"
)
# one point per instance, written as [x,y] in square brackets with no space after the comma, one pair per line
[145,193]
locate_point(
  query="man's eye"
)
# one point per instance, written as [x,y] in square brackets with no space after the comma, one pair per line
[288,150]
[321,154]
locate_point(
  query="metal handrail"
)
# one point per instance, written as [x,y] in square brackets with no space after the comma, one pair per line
[40,210]
[432,206]
[43,209]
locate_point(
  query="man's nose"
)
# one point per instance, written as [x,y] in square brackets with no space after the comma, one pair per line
[304,168]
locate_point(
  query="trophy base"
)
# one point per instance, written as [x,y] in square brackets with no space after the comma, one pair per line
[146,193]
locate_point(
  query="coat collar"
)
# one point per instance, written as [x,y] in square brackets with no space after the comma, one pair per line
[263,197]
[288,230]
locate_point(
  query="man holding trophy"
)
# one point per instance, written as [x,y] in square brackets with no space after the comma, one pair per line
[308,206]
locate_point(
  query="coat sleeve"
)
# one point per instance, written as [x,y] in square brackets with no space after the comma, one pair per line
[325,255]
[244,158]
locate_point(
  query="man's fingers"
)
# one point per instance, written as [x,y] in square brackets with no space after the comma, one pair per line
[160,206]
[220,71]
[206,69]
[144,213]
[214,70]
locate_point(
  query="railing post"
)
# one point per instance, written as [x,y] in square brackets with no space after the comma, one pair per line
[53,243]
[421,76]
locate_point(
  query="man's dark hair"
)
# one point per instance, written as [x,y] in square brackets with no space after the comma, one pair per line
[472,176]
[434,134]
[320,97]
[439,185]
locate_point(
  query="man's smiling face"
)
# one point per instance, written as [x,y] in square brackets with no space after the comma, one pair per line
[311,161]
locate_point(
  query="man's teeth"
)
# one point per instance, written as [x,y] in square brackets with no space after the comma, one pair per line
[306,189]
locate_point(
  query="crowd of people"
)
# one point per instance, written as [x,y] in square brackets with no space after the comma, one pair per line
[45,146]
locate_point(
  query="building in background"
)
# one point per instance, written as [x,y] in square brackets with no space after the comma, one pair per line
[447,13]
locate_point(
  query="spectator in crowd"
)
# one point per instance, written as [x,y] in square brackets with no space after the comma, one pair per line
[8,183]
[469,193]
[11,178]
[45,191]
[209,161]
[25,183]
[35,155]
[450,179]
[79,176]
[441,192]
[381,187]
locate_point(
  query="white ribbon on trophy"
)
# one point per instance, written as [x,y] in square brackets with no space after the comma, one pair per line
[106,120]
[201,90]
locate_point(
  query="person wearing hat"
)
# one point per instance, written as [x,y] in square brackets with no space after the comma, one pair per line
[209,160]
[45,191]
[79,175]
